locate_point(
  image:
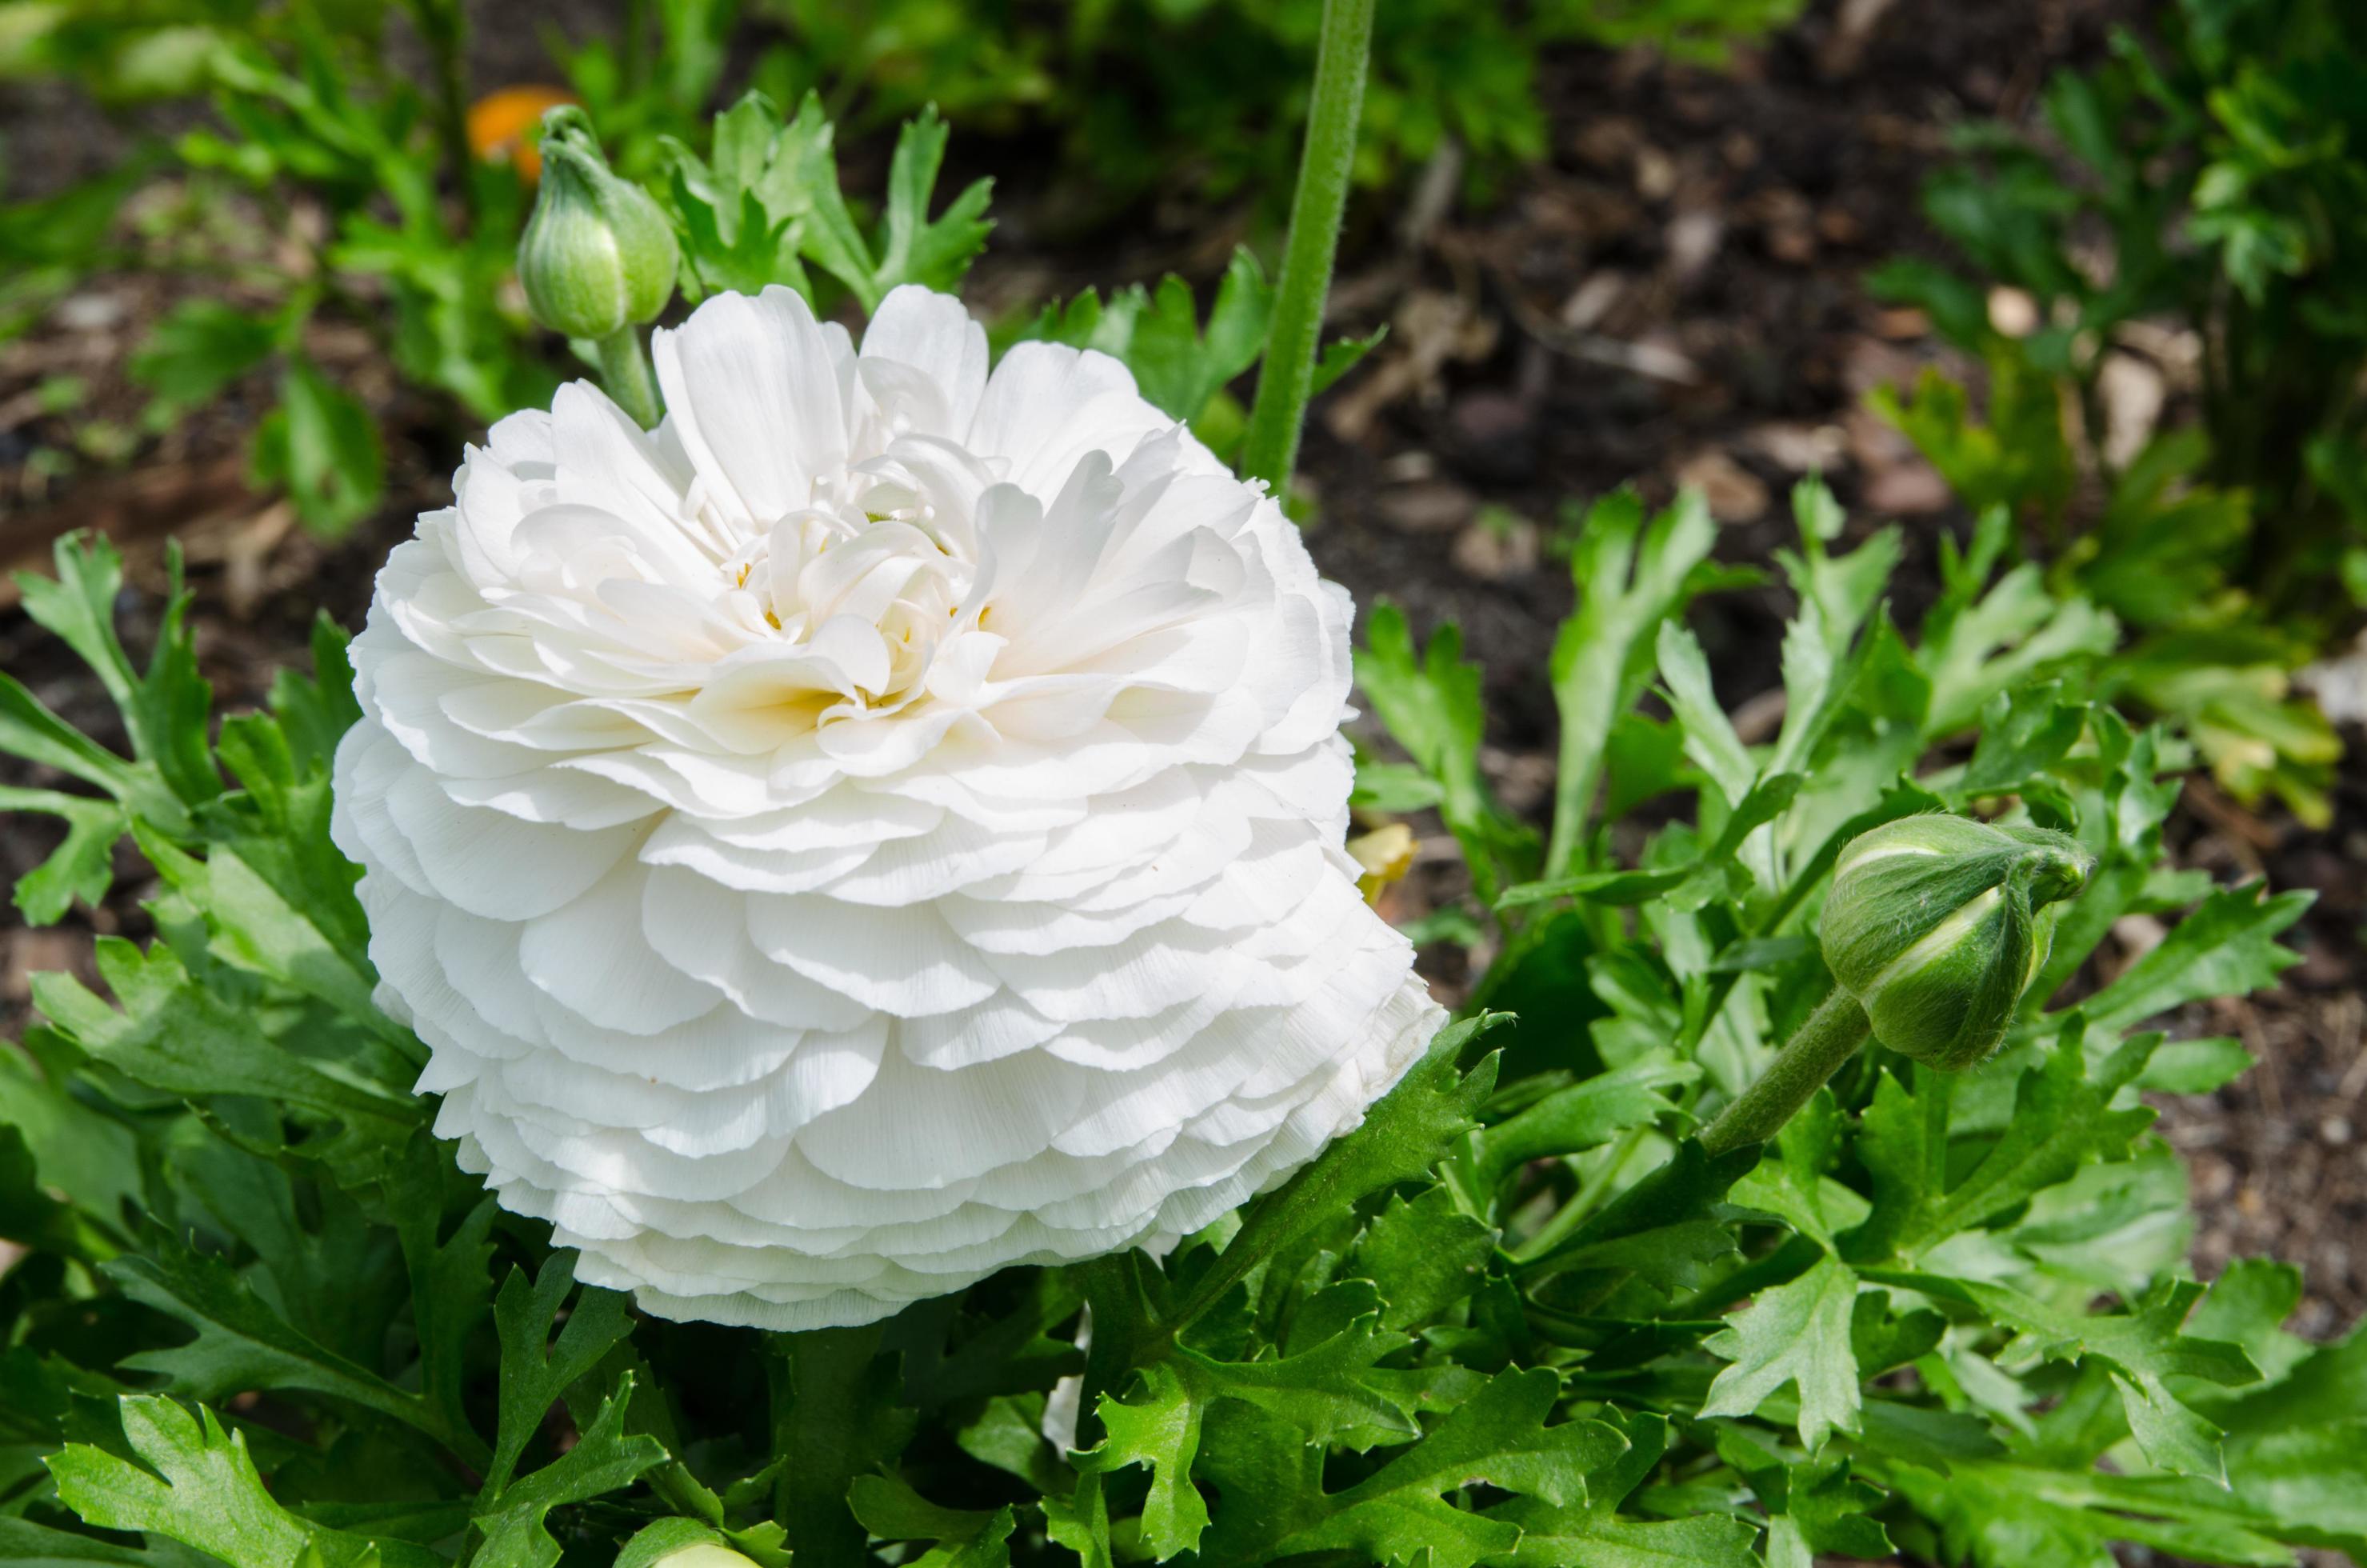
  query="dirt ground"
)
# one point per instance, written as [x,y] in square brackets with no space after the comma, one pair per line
[1675,297]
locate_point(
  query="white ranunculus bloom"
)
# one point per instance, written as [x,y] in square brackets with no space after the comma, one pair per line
[884,826]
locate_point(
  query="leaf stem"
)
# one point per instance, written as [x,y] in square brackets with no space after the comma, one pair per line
[625,373]
[444,28]
[1270,452]
[1830,1037]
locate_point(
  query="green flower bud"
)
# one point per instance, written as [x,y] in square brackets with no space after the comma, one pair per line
[598,256]
[680,1543]
[1938,924]
[706,1554]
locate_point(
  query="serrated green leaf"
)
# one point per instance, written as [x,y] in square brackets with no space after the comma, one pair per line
[2064,1117]
[1798,1333]
[2226,946]
[200,1487]
[537,1368]
[242,1343]
[1431,702]
[1499,1437]
[1429,1251]
[1156,1426]
[1405,1133]
[82,865]
[1584,1115]
[604,1460]
[913,247]
[175,1035]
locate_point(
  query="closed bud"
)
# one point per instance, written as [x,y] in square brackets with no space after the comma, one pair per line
[598,256]
[704,1554]
[680,1543]
[1937,925]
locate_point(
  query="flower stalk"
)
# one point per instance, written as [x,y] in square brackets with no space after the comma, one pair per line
[626,376]
[1270,452]
[1830,1037]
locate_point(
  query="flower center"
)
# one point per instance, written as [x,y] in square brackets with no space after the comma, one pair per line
[868,552]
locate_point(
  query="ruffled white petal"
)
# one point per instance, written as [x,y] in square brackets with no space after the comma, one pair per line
[880,827]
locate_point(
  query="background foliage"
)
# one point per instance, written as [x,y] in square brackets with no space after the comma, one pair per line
[1519,1317]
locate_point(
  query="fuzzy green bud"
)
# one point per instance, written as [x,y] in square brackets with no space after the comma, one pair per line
[1937,925]
[598,256]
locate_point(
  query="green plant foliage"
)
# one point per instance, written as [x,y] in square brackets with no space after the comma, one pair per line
[1519,1317]
[2222,167]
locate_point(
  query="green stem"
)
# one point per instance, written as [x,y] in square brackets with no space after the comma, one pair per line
[1270,450]
[1830,1038]
[821,1402]
[444,28]
[625,373]
[1127,1334]
[1585,1201]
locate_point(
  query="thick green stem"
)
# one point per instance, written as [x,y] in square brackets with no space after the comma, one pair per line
[625,372]
[1271,450]
[1830,1038]
[826,1431]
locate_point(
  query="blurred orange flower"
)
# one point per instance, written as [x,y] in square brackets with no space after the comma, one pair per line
[500,126]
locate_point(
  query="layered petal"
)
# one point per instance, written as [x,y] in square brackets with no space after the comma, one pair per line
[880,827]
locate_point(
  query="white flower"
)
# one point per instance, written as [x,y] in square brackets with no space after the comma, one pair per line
[884,826]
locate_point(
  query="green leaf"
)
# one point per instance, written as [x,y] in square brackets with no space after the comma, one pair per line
[2226,946]
[889,1507]
[1584,1115]
[1710,739]
[1157,1426]
[1178,367]
[1429,1253]
[321,446]
[1081,1523]
[82,865]
[1431,702]
[604,1460]
[2023,733]
[1799,1333]
[914,248]
[197,348]
[25,1544]
[242,1343]
[164,707]
[2009,1516]
[2064,1117]
[1556,1538]
[174,1035]
[2140,1351]
[200,1487]
[537,1368]
[2195,1066]
[1402,1136]
[1498,1437]
[1977,645]
[1630,578]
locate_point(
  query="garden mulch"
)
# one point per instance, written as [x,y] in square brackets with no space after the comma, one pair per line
[1674,297]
